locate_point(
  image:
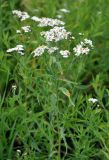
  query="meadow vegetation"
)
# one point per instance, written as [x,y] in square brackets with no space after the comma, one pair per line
[54,80]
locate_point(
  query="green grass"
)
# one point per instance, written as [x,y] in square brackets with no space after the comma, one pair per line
[48,116]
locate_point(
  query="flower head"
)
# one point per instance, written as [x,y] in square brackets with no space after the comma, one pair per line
[22,15]
[43,22]
[59,16]
[93,100]
[79,49]
[88,42]
[18,31]
[83,47]
[26,28]
[52,49]
[65,53]
[55,34]
[64,10]
[18,49]
[39,51]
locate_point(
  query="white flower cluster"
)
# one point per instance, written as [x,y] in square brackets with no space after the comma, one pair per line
[18,48]
[52,49]
[61,12]
[22,15]
[59,16]
[93,100]
[14,87]
[25,29]
[83,47]
[88,41]
[55,34]
[39,51]
[79,49]
[65,53]
[36,19]
[18,31]
[43,22]
[64,10]
[81,34]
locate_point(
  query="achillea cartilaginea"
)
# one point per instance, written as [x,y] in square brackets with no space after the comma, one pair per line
[19,49]
[83,47]
[22,15]
[55,34]
[43,22]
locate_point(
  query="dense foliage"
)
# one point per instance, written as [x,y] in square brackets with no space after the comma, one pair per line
[54,106]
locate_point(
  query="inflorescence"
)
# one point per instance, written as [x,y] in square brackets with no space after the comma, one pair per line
[19,49]
[22,15]
[55,34]
[43,22]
